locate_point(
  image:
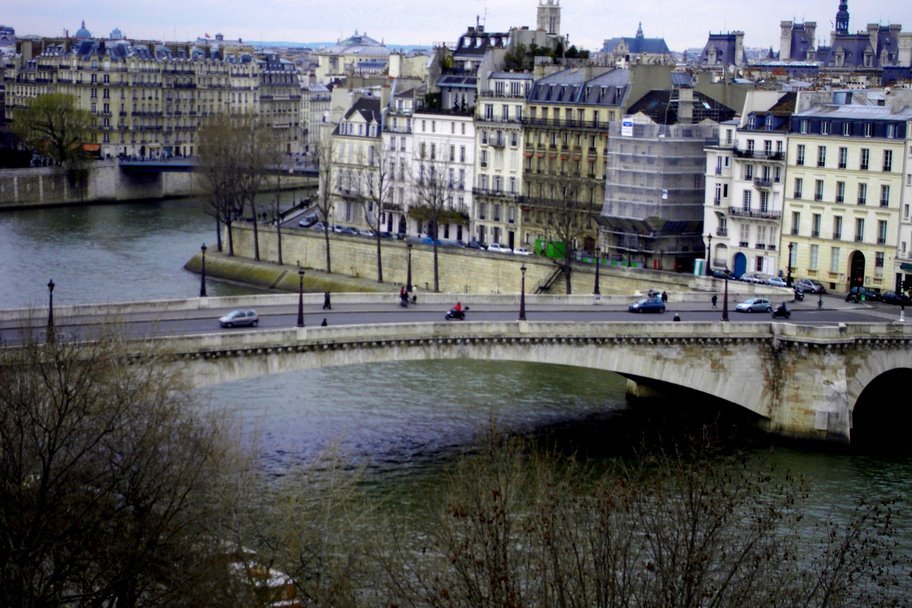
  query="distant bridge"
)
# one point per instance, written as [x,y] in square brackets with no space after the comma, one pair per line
[188,165]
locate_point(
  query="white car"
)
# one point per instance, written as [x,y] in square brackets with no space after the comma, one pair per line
[498,248]
[522,251]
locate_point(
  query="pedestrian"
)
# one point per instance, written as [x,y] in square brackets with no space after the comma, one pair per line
[324,323]
[715,300]
[677,317]
[664,297]
[326,304]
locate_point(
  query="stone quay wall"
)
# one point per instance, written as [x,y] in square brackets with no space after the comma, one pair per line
[465,270]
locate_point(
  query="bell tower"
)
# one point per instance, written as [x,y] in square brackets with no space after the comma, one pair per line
[842,17]
[549,16]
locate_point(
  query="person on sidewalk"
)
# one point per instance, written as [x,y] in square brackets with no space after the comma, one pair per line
[715,300]
[326,304]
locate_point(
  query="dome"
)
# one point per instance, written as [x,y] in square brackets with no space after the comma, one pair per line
[82,32]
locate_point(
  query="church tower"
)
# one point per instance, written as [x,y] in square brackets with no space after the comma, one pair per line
[842,17]
[549,16]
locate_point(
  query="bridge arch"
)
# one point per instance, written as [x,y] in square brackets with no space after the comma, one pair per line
[882,413]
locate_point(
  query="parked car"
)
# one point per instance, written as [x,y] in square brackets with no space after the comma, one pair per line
[319,226]
[891,297]
[346,230]
[429,241]
[810,286]
[859,293]
[308,220]
[240,318]
[498,248]
[473,244]
[750,277]
[724,274]
[522,251]
[777,282]
[647,305]
[754,305]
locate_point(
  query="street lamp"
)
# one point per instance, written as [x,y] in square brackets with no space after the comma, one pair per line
[300,295]
[408,280]
[788,277]
[203,273]
[725,300]
[595,290]
[50,325]
[709,242]
[522,293]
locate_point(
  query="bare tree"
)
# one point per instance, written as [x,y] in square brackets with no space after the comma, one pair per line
[260,153]
[377,193]
[323,155]
[434,204]
[220,143]
[110,486]
[567,218]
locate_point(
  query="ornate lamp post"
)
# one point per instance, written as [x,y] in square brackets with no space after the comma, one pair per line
[300,295]
[203,272]
[522,293]
[598,257]
[50,325]
[408,280]
[709,242]
[788,276]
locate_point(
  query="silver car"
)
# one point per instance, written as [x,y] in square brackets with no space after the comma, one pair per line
[240,318]
[754,305]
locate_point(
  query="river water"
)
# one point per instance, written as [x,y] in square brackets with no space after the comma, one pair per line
[398,418]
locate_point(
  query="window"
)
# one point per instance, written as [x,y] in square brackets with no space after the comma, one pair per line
[840,192]
[484,158]
[862,194]
[748,172]
[799,160]
[837,227]
[881,232]
[799,183]
[764,202]
[488,111]
[746,200]
[846,129]
[868,129]
[859,229]
[812,264]
[891,131]
[865,159]
[767,147]
[796,221]
[834,259]
[804,126]
[462,154]
[884,195]
[717,198]
[750,146]
[815,225]
[824,127]
[843,157]
[888,161]
[818,190]
[879,263]
[482,210]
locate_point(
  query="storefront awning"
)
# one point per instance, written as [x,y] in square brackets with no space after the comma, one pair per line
[906,266]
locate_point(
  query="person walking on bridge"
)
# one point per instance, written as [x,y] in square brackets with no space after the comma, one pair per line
[326,303]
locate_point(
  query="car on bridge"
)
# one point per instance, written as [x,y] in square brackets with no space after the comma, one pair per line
[647,305]
[891,297]
[754,305]
[240,318]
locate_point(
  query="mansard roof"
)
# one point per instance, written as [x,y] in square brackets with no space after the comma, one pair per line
[638,44]
[578,86]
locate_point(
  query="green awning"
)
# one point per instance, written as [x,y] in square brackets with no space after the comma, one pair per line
[905,266]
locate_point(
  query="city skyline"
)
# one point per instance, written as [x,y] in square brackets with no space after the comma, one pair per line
[588,24]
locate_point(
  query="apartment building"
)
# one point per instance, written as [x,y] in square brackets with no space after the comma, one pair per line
[565,133]
[845,179]
[148,99]
[499,162]
[355,158]
[398,151]
[903,260]
[745,186]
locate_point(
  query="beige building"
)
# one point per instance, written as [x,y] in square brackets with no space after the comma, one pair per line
[843,207]
[355,146]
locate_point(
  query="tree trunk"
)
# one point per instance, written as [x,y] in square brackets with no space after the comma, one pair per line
[326,237]
[568,256]
[256,233]
[230,240]
[218,233]
[379,257]
[436,274]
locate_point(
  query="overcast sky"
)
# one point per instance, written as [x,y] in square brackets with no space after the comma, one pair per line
[588,22]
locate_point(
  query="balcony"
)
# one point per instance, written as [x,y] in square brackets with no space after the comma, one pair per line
[722,232]
[764,183]
[760,214]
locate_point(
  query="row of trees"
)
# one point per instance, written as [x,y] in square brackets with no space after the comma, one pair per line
[117,489]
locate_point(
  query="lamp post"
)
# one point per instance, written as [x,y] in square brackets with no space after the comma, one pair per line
[50,325]
[709,242]
[408,280]
[300,295]
[203,272]
[788,267]
[725,300]
[595,290]
[522,293]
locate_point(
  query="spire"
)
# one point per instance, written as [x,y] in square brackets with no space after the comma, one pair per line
[640,29]
[842,17]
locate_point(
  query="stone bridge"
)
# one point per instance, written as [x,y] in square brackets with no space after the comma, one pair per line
[801,382]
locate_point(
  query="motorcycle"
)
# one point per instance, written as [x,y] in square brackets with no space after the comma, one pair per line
[459,315]
[782,312]
[799,295]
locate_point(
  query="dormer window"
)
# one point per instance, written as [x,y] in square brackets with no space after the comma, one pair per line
[752,122]
[769,123]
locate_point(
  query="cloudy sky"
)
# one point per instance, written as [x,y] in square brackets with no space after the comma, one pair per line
[588,22]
